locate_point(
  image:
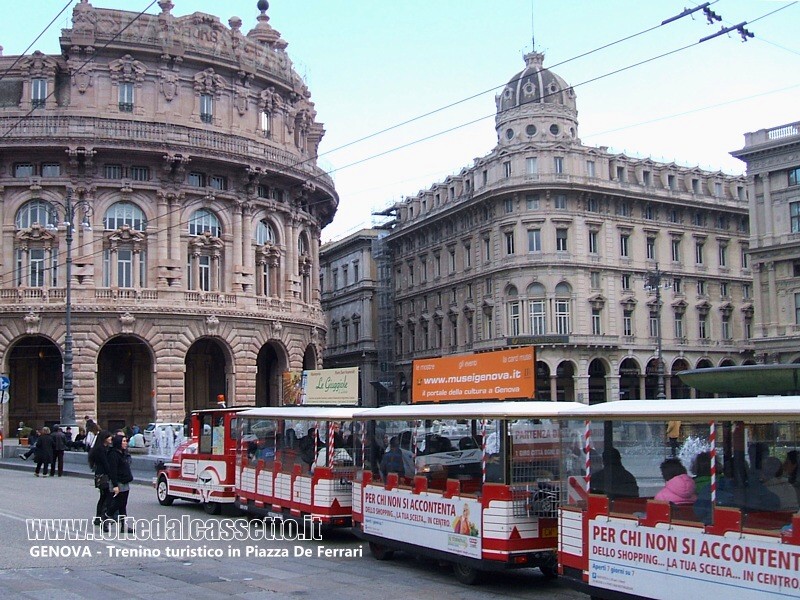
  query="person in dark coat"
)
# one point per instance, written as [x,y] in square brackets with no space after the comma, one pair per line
[621,483]
[98,461]
[45,451]
[119,472]
[33,437]
[59,446]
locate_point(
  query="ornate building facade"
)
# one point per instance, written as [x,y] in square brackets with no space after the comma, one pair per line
[189,150]
[549,242]
[773,177]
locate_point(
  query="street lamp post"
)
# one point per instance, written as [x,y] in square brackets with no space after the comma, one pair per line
[653,281]
[67,416]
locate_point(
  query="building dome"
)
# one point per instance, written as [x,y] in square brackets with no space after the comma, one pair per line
[536,104]
[536,84]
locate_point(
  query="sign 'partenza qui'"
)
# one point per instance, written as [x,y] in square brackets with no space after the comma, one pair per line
[332,387]
[491,375]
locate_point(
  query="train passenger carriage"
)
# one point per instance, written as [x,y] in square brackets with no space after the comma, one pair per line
[713,515]
[298,461]
[475,484]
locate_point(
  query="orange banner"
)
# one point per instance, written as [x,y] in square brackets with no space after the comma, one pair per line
[490,376]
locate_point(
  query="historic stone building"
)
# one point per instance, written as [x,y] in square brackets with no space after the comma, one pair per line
[549,242]
[356,299]
[773,177]
[189,148]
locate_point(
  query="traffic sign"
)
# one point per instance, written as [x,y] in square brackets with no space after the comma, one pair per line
[4,397]
[5,383]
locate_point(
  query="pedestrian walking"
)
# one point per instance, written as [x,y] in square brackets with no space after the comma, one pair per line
[119,471]
[98,461]
[44,451]
[59,446]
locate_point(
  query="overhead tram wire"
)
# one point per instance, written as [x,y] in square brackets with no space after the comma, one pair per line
[41,33]
[116,35]
[426,138]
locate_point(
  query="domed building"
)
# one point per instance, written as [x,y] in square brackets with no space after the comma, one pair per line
[602,261]
[168,165]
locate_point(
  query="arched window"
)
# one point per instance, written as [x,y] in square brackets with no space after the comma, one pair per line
[302,244]
[265,234]
[36,211]
[513,311]
[537,309]
[202,221]
[562,305]
[124,213]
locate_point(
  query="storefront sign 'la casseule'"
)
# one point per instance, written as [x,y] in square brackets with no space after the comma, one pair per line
[496,375]
[332,387]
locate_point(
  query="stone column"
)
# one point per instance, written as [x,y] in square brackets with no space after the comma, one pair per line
[769,229]
[174,230]
[238,242]
[162,233]
[315,293]
[553,387]
[774,315]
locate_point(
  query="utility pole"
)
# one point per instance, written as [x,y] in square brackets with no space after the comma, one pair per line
[653,282]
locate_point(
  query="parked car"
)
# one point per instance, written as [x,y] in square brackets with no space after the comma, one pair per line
[156,428]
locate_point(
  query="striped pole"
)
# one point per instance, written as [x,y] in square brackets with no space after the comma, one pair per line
[316,437]
[331,432]
[587,448]
[363,444]
[483,449]
[712,439]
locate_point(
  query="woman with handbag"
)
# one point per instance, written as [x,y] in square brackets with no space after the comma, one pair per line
[98,461]
[119,472]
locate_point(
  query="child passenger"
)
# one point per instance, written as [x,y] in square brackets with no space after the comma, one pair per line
[679,487]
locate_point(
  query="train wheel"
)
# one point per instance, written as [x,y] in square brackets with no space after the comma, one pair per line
[162,492]
[380,552]
[549,571]
[212,508]
[466,574]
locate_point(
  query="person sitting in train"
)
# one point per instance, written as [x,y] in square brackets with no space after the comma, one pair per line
[772,475]
[306,446]
[392,461]
[622,482]
[790,470]
[678,486]
[702,487]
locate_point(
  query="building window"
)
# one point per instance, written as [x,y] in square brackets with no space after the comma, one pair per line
[594,279]
[206,108]
[701,287]
[509,235]
[537,317]
[593,205]
[140,173]
[677,285]
[124,214]
[507,169]
[653,323]
[452,260]
[623,244]
[726,327]
[676,251]
[794,213]
[38,92]
[126,97]
[561,239]
[794,176]
[558,164]
[679,326]
[51,170]
[626,281]
[532,201]
[647,178]
[723,289]
[488,285]
[699,219]
[797,309]
[695,186]
[745,291]
[197,179]
[532,166]
[698,252]
[218,182]
[203,221]
[487,249]
[35,211]
[723,255]
[509,205]
[745,258]
[23,170]
[563,326]
[596,329]
[112,171]
[627,323]
[702,327]
[467,256]
[748,328]
[266,124]
[265,234]
[650,247]
[513,318]
[649,213]
[621,174]
[560,201]
[674,217]
[671,182]
[593,244]
[590,168]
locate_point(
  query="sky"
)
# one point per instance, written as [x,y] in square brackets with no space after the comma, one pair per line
[372,64]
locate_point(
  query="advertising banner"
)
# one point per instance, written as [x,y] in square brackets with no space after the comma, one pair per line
[331,387]
[489,376]
[430,520]
[292,388]
[654,563]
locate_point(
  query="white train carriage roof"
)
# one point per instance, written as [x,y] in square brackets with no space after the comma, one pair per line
[322,413]
[474,410]
[758,408]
